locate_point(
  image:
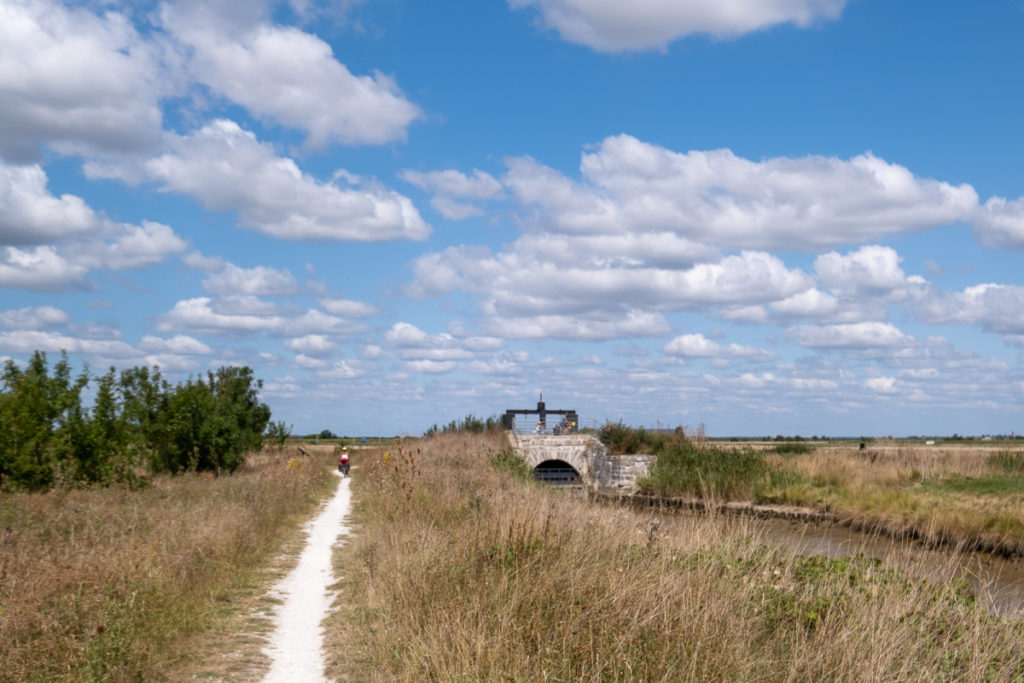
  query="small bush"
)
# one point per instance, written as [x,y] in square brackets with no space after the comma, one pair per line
[620,439]
[510,463]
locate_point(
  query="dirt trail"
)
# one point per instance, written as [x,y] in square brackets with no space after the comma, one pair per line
[296,645]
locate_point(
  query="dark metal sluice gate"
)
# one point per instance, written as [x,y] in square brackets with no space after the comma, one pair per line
[557,473]
[569,423]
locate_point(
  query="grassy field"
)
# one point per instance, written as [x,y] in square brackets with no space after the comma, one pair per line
[463,569]
[148,584]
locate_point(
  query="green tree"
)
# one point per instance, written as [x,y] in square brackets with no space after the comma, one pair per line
[101,442]
[47,437]
[210,425]
[278,432]
[144,399]
[38,414]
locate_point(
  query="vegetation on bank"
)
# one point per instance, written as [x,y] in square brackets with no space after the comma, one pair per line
[465,570]
[967,495]
[689,466]
[138,423]
[960,495]
[134,584]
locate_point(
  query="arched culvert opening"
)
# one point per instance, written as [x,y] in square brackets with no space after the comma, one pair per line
[557,473]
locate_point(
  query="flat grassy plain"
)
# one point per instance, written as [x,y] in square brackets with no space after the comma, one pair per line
[147,584]
[461,568]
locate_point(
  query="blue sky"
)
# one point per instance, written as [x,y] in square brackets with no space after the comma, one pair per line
[764,216]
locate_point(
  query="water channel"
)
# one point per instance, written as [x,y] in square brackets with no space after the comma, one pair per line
[998,583]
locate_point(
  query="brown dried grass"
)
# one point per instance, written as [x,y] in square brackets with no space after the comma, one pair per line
[116,584]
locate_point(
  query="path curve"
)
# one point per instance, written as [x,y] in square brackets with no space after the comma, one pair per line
[296,645]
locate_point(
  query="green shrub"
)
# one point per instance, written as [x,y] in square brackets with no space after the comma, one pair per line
[510,463]
[620,439]
[278,432]
[210,425]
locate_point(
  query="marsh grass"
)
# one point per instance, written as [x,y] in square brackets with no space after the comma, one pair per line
[1007,462]
[460,571]
[957,495]
[118,584]
[684,467]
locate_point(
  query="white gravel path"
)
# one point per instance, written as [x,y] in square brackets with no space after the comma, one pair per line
[296,646]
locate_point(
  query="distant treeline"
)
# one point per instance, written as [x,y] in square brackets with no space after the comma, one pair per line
[470,423]
[138,423]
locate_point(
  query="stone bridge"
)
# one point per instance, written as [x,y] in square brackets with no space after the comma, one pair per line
[551,457]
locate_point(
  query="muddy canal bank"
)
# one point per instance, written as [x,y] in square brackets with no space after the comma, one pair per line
[992,544]
[994,569]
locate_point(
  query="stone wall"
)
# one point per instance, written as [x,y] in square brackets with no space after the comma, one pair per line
[620,471]
[587,455]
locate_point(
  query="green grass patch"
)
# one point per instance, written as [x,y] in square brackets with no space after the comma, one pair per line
[996,485]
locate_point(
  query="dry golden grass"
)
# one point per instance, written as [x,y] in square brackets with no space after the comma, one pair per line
[461,572]
[114,584]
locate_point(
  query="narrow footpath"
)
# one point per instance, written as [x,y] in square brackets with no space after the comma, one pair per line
[296,645]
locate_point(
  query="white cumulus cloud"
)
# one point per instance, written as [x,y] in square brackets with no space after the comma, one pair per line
[699,346]
[312,345]
[29,214]
[882,385]
[33,318]
[871,270]
[347,307]
[80,82]
[720,199]
[612,25]
[292,77]
[994,307]
[226,168]
[39,268]
[257,281]
[179,344]
[862,335]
